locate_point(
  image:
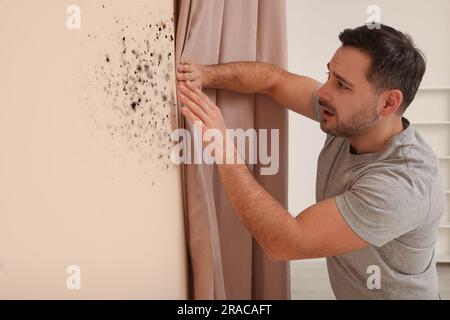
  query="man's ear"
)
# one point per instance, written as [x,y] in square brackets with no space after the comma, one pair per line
[393,100]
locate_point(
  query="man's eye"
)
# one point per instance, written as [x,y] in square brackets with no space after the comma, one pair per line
[341,85]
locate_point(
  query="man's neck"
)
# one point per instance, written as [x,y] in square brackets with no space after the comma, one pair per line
[376,138]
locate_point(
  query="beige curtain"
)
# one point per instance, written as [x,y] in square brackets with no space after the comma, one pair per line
[225,261]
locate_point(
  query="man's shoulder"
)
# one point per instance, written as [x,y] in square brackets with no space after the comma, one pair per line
[392,177]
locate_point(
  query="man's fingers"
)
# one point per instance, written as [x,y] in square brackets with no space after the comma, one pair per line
[186,76]
[190,116]
[187,68]
[185,61]
[196,90]
[190,94]
[183,76]
[200,98]
[200,94]
[193,107]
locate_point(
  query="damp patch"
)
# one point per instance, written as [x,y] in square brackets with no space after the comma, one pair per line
[135,81]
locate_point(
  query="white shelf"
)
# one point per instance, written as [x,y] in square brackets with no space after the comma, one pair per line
[432,112]
[443,258]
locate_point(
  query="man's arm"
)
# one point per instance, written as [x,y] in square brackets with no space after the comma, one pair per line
[288,89]
[319,231]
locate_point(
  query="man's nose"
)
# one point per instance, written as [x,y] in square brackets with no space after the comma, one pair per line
[322,92]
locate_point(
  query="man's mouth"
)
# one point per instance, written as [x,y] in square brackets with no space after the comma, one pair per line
[327,112]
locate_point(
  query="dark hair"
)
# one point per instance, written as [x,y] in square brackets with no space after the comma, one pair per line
[396,62]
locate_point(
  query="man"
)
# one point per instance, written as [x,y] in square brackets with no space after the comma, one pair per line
[379,193]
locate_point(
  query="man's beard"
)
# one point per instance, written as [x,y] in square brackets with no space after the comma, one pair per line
[358,123]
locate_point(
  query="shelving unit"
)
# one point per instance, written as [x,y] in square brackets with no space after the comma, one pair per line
[430,115]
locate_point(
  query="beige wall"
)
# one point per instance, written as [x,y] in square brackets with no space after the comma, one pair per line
[85,180]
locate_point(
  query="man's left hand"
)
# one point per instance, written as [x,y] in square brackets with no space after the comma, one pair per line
[198,107]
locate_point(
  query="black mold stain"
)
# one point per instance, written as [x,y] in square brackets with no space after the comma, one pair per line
[138,92]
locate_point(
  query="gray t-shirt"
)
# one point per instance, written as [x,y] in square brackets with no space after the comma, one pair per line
[394,199]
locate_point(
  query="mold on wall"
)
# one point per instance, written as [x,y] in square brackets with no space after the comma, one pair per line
[136,82]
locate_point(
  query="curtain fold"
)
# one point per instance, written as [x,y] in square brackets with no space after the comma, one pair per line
[272,48]
[225,261]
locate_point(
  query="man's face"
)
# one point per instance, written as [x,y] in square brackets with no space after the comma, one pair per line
[349,104]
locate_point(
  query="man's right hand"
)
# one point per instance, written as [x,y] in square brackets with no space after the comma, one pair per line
[189,71]
[253,77]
